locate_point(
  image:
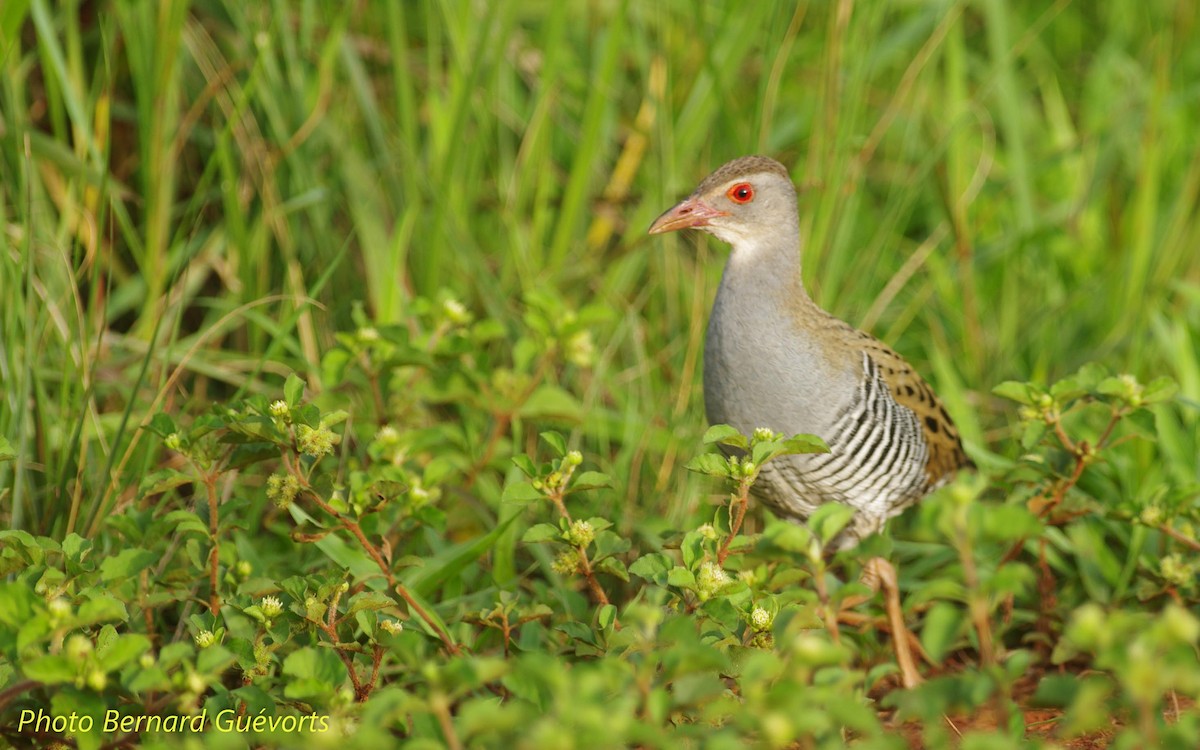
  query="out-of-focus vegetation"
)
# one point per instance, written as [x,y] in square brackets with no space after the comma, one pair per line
[338,376]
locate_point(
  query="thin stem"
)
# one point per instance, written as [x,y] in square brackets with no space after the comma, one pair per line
[214,595]
[352,526]
[741,500]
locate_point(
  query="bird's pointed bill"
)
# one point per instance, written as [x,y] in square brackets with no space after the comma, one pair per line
[691,212]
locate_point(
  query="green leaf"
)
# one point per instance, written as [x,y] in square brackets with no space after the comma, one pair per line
[725,435]
[542,532]
[555,441]
[102,608]
[550,401]
[613,566]
[590,480]
[712,464]
[6,450]
[1014,391]
[122,650]
[829,519]
[525,464]
[652,567]
[126,564]
[158,482]
[941,630]
[681,577]
[53,669]
[790,537]
[1159,390]
[606,616]
[162,425]
[521,493]
[1067,389]
[313,672]
[370,600]
[803,443]
[293,389]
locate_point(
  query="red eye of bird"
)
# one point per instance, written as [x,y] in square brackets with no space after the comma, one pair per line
[743,192]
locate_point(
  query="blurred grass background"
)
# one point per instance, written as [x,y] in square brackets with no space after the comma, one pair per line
[196,194]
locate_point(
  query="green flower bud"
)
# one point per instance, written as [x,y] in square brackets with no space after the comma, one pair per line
[710,580]
[567,563]
[455,312]
[78,648]
[573,458]
[173,442]
[764,435]
[580,350]
[395,627]
[580,533]
[761,620]
[367,335]
[1151,515]
[1177,571]
[243,569]
[282,489]
[271,607]
[316,442]
[279,409]
[204,639]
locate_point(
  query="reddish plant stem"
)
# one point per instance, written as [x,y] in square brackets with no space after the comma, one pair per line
[741,500]
[585,565]
[352,526]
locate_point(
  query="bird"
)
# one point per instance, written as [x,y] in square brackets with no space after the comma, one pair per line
[773,358]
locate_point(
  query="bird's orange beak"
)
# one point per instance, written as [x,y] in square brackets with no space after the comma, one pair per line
[691,212]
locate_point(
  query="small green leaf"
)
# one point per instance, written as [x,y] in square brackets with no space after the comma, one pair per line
[590,480]
[158,482]
[1159,390]
[805,444]
[606,616]
[162,425]
[293,389]
[542,532]
[1014,391]
[126,564]
[725,435]
[551,402]
[50,670]
[370,600]
[525,464]
[520,493]
[681,577]
[555,441]
[122,650]
[652,567]
[613,566]
[941,630]
[712,464]
[1068,389]
[828,520]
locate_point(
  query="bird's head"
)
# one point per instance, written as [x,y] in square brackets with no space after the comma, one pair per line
[743,202]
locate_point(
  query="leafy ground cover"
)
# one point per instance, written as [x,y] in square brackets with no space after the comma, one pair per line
[344,401]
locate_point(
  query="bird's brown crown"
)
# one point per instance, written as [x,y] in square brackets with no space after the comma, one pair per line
[742,167]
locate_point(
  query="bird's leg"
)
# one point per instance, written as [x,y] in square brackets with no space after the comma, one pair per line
[879,573]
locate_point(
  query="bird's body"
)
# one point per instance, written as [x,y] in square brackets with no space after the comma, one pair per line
[774,359]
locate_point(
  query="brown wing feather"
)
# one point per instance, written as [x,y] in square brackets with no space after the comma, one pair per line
[910,390]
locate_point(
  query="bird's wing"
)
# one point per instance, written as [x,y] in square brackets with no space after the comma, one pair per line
[910,390]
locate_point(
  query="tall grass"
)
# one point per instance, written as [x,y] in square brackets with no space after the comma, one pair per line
[195,195]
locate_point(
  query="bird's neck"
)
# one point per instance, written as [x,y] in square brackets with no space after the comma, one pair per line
[767,268]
